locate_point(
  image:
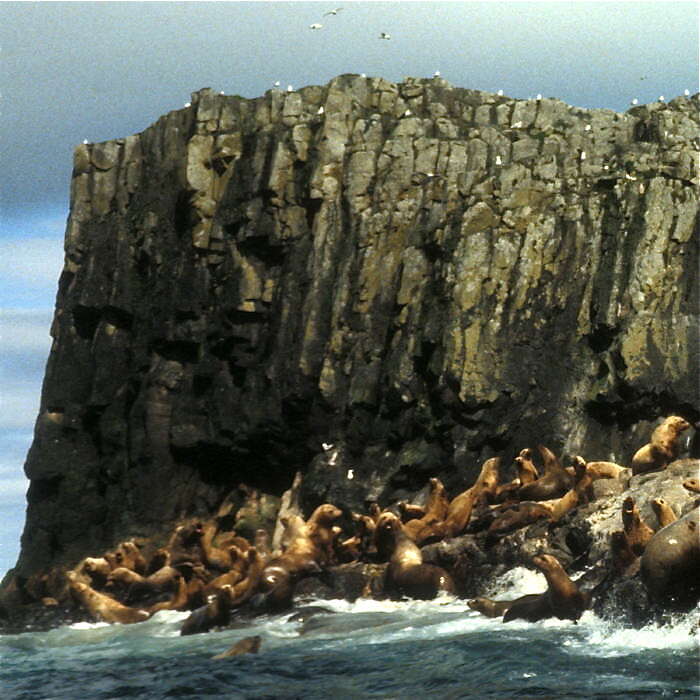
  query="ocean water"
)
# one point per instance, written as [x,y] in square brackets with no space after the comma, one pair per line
[366,649]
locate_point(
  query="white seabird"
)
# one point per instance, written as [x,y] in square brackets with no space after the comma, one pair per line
[583,155]
[498,160]
[276,84]
[500,93]
[517,125]
[333,12]
[363,75]
[635,101]
[351,474]
[320,110]
[436,74]
[187,104]
[661,98]
[587,127]
[686,92]
[290,88]
[384,35]
[407,113]
[539,96]
[85,141]
[326,446]
[315,25]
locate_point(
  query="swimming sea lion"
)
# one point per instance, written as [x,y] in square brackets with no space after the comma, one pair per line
[663,511]
[670,565]
[662,448]
[104,608]
[248,645]
[637,531]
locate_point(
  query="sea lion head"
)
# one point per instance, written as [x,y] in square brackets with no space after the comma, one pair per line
[526,453]
[546,562]
[326,513]
[677,423]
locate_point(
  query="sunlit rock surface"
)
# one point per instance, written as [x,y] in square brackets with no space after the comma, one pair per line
[418,275]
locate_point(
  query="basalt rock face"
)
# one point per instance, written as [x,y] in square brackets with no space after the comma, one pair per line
[419,275]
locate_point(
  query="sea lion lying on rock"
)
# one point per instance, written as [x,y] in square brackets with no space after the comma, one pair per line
[670,565]
[554,482]
[102,607]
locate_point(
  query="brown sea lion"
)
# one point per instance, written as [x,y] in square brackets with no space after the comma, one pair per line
[178,601]
[637,531]
[185,544]
[579,494]
[517,516]
[248,645]
[97,569]
[497,608]
[319,530]
[527,471]
[216,613]
[407,574]
[554,482]
[159,559]
[430,525]
[662,448]
[565,598]
[602,470]
[129,555]
[670,565]
[461,506]
[623,558]
[692,485]
[236,573]
[410,511]
[242,591]
[663,511]
[102,607]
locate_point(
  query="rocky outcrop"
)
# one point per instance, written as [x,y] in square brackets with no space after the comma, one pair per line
[418,275]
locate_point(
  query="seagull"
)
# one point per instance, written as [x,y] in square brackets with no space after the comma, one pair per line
[363,75]
[85,141]
[320,110]
[333,12]
[436,74]
[661,98]
[290,88]
[635,101]
[517,125]
[351,474]
[384,35]
[334,456]
[587,127]
[326,446]
[407,113]
[187,104]
[686,92]
[500,93]
[498,160]
[539,97]
[315,25]
[221,93]
[276,84]
[583,155]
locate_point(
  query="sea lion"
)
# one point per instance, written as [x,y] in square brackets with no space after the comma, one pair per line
[637,531]
[566,600]
[461,506]
[554,482]
[216,613]
[622,556]
[129,555]
[663,511]
[410,511]
[185,544]
[602,470]
[497,608]
[692,485]
[178,601]
[248,645]
[662,448]
[580,493]
[517,516]
[97,569]
[263,544]
[527,471]
[102,607]
[276,590]
[407,574]
[670,565]
[244,589]
[430,525]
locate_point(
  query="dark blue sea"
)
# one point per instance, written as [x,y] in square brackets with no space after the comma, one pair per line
[367,649]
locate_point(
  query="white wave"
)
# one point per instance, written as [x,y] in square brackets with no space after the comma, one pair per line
[517,582]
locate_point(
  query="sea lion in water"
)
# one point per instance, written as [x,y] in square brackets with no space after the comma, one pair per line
[663,511]
[406,573]
[216,613]
[662,448]
[562,599]
[248,645]
[637,531]
[670,565]
[554,482]
[497,608]
[104,608]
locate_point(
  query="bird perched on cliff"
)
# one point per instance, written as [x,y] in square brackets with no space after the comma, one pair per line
[539,96]
[661,98]
[332,12]
[384,35]
[635,101]
[500,93]
[686,92]
[436,74]
[290,88]
[315,25]
[276,84]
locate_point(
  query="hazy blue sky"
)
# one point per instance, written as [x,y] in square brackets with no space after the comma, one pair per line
[97,71]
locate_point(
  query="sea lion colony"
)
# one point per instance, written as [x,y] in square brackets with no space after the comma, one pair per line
[216,573]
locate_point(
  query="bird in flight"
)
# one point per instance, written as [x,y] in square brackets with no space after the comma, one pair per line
[384,35]
[315,25]
[333,12]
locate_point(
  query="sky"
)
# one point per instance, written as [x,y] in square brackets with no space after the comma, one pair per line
[105,70]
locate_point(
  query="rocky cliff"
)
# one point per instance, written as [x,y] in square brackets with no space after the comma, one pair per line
[418,275]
